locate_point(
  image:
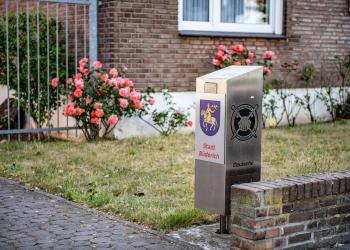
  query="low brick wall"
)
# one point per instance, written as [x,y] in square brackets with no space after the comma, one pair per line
[302,212]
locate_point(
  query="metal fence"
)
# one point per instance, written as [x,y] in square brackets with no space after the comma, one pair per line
[42,40]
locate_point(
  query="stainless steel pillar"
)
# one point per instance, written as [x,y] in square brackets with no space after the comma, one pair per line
[228,136]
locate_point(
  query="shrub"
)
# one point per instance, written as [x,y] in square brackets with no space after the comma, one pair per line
[239,55]
[46,91]
[343,110]
[171,119]
[343,67]
[99,99]
[270,115]
[287,97]
[336,100]
[307,101]
[327,96]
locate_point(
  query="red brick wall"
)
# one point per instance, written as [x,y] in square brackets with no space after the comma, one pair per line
[142,34]
[305,212]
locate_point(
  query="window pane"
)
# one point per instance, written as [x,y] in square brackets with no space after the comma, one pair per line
[245,11]
[196,10]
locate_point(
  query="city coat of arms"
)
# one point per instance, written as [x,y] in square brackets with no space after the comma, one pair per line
[210,117]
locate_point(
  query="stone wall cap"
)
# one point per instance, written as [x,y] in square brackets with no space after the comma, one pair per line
[296,181]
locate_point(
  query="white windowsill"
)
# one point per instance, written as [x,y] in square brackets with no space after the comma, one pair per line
[230,34]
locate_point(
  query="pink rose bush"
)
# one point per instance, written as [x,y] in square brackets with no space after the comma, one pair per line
[97,100]
[239,55]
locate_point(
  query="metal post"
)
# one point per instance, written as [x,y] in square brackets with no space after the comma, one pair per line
[8,72]
[84,30]
[18,75]
[75,39]
[93,11]
[67,57]
[48,64]
[38,60]
[57,68]
[224,224]
[75,53]
[28,68]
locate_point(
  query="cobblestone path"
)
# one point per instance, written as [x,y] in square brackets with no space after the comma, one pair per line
[35,220]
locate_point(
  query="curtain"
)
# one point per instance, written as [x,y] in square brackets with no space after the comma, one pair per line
[244,11]
[196,10]
[228,11]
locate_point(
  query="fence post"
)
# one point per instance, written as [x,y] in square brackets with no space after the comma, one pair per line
[93,31]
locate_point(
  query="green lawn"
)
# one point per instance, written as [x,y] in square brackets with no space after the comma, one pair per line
[150,180]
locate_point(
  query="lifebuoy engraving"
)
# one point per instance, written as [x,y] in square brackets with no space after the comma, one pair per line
[244,122]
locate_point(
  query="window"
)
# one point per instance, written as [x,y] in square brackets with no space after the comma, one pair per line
[233,16]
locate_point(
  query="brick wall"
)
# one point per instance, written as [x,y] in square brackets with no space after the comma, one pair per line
[142,34]
[293,213]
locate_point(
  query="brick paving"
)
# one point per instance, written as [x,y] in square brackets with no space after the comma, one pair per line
[36,220]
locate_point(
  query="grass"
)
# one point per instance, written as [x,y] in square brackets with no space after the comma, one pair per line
[150,180]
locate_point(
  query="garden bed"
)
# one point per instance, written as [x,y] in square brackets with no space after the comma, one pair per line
[150,180]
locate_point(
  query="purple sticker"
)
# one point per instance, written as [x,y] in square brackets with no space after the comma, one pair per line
[209,116]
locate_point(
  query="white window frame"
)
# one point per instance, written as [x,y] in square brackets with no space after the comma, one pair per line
[215,25]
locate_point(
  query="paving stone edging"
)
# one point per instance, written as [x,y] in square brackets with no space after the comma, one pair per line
[178,242]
